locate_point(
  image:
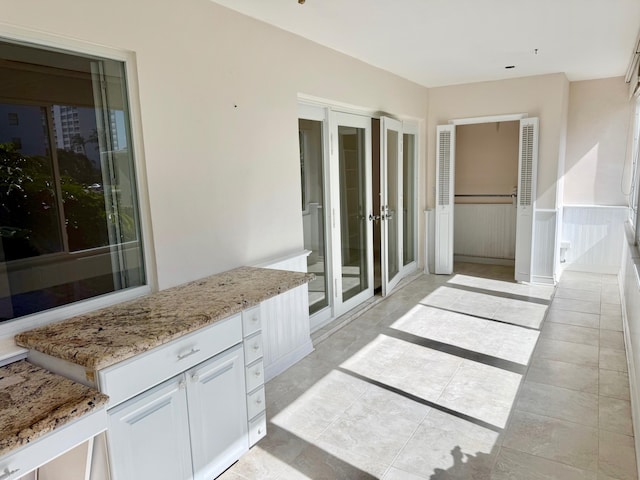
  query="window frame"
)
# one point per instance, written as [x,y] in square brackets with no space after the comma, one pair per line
[46,41]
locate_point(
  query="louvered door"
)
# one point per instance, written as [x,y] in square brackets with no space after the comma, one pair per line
[445,155]
[527,173]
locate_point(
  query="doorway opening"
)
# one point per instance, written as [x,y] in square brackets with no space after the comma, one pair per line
[486,185]
[524,194]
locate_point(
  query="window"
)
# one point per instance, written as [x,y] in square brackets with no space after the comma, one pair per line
[635,178]
[69,218]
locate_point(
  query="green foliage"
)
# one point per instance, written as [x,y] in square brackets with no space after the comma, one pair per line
[29,220]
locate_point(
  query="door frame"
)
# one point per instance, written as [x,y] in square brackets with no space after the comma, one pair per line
[489,119]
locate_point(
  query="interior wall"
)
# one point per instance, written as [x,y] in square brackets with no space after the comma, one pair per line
[486,161]
[218,94]
[540,96]
[597,170]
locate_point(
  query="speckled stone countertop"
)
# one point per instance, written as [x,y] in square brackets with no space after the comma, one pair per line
[102,338]
[34,402]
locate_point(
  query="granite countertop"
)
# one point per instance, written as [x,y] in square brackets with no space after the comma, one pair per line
[34,402]
[102,338]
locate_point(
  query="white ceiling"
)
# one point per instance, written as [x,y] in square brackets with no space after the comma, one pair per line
[445,42]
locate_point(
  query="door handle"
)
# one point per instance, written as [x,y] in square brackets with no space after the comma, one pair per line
[373,218]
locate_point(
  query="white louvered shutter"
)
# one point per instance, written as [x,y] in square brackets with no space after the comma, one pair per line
[445,162]
[527,173]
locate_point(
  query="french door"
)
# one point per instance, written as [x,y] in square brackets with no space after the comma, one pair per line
[337,215]
[352,232]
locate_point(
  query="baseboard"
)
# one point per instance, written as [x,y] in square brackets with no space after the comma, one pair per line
[485,260]
[542,279]
[602,269]
[283,363]
[633,385]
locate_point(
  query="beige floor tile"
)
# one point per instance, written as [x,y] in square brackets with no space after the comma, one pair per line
[617,456]
[614,384]
[574,294]
[579,354]
[481,391]
[561,403]
[562,374]
[581,306]
[514,465]
[314,463]
[553,439]
[449,446]
[611,359]
[615,415]
[611,309]
[422,372]
[397,474]
[589,320]
[521,313]
[611,339]
[571,333]
[611,322]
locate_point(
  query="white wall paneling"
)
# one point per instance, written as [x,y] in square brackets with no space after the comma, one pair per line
[286,332]
[629,282]
[595,235]
[485,230]
[544,246]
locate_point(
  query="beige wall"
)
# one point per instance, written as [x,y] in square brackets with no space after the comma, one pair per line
[540,96]
[486,161]
[218,94]
[596,169]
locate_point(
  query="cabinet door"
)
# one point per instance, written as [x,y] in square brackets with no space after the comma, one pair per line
[148,435]
[217,413]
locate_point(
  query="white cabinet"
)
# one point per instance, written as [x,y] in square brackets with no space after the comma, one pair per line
[192,426]
[217,415]
[149,435]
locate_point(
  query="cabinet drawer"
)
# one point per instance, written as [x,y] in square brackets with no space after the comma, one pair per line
[131,377]
[252,348]
[255,403]
[251,321]
[255,376]
[257,429]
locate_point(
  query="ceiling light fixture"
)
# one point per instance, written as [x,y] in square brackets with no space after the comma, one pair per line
[301,2]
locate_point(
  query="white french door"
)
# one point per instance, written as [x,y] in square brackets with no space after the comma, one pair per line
[391,202]
[352,232]
[527,174]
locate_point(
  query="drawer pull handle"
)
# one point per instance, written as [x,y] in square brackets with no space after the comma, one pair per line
[6,473]
[258,373]
[182,385]
[182,356]
[195,377]
[256,347]
[259,401]
[254,318]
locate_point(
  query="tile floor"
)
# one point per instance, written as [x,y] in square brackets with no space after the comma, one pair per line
[459,377]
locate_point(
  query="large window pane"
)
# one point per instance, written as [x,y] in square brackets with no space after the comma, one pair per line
[69,225]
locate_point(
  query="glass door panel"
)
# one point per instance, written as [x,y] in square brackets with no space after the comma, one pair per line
[313,217]
[391,206]
[352,233]
[409,198]
[353,210]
